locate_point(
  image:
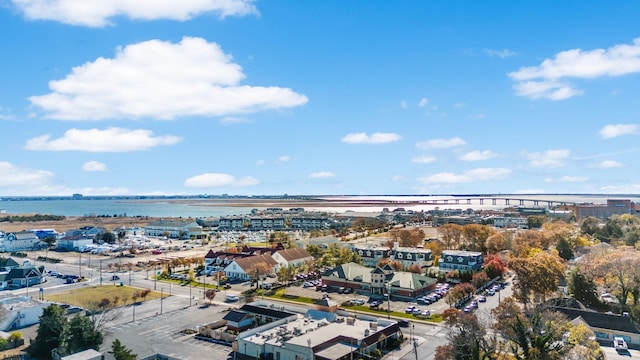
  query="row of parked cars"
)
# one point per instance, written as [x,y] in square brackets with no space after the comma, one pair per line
[442,289]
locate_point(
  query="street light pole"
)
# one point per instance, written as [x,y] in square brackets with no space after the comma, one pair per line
[161,298]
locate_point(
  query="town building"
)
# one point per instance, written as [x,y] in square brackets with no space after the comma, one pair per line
[21,241]
[372,255]
[317,335]
[322,242]
[378,281]
[460,260]
[231,223]
[174,228]
[613,207]
[244,268]
[292,257]
[17,312]
[25,275]
[409,256]
[519,222]
[604,325]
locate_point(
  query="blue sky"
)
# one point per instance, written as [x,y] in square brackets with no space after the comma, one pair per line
[318,97]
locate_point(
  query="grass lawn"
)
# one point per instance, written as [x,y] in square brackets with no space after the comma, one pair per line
[83,297]
[281,294]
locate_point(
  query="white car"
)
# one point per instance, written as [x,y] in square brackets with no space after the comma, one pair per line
[619,343]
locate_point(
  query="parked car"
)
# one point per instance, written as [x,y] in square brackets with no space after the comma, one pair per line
[619,343]
[404,323]
[374,304]
[115,277]
[409,309]
[426,313]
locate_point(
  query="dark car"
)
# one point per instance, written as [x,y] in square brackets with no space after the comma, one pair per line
[404,323]
[115,277]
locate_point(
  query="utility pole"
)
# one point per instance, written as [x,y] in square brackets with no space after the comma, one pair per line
[100,272]
[80,264]
[161,298]
[388,300]
[155,277]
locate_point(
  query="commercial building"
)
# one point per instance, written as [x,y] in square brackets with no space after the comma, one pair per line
[318,335]
[460,260]
[379,281]
[613,207]
[412,256]
[372,255]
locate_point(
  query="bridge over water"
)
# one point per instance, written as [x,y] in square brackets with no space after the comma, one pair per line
[481,200]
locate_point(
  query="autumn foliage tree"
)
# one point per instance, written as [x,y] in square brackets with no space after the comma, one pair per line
[538,275]
[494,266]
[467,338]
[451,235]
[459,292]
[476,236]
[407,237]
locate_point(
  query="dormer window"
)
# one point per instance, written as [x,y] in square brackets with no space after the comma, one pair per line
[408,256]
[399,255]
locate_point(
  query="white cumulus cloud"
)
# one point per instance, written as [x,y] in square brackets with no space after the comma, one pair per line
[608,164]
[284,158]
[548,80]
[11,175]
[480,174]
[573,179]
[322,174]
[160,80]
[209,180]
[92,166]
[615,130]
[504,53]
[423,159]
[99,13]
[549,158]
[440,143]
[375,138]
[478,155]
[96,140]
[423,102]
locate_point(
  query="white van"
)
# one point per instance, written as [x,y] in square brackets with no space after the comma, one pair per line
[232,298]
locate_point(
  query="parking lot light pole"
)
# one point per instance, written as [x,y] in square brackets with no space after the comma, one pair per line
[161,298]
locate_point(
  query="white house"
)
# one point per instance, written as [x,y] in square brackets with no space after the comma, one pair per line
[21,241]
[292,257]
[243,268]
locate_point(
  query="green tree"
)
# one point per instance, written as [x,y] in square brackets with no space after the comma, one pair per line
[80,335]
[108,237]
[314,250]
[50,331]
[120,352]
[584,289]
[590,225]
[535,221]
[564,249]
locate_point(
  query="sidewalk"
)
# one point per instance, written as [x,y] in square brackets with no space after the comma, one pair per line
[407,347]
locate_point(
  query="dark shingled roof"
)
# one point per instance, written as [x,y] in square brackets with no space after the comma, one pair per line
[265,311]
[602,320]
[235,316]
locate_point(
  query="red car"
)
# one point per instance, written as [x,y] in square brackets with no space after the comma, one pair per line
[156,252]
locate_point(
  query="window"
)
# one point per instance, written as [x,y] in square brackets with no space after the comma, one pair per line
[408,256]
[399,255]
